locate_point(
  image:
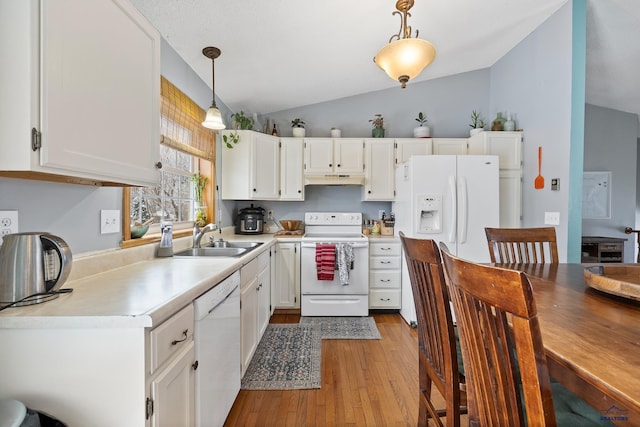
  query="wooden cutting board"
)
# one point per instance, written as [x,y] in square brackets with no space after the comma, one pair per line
[623,281]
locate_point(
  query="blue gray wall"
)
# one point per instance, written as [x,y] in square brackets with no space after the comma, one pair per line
[610,144]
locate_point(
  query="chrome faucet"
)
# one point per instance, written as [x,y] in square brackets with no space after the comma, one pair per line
[199,232]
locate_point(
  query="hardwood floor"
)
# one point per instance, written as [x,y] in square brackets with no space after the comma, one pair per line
[364,383]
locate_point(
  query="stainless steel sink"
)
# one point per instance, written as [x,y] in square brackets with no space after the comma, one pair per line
[232,249]
[227,244]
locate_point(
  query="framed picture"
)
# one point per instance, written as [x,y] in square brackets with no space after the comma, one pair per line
[596,195]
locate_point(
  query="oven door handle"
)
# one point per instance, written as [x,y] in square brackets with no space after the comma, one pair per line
[354,245]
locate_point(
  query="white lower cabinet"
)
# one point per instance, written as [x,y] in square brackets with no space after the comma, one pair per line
[287,278]
[255,305]
[172,392]
[385,277]
[171,401]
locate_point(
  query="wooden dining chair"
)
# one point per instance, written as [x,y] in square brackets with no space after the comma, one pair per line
[437,350]
[522,245]
[506,369]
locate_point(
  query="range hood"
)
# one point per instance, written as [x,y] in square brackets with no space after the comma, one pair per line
[334,180]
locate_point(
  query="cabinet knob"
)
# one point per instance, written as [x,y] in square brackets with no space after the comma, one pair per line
[338,164]
[159,165]
[195,365]
[254,190]
[299,191]
[330,165]
[369,191]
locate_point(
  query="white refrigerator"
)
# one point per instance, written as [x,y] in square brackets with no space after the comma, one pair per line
[449,199]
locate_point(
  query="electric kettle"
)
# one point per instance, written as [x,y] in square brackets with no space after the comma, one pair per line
[32,266]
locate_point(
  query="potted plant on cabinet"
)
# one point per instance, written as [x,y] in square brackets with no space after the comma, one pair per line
[242,122]
[378,126]
[297,127]
[336,133]
[421,131]
[477,123]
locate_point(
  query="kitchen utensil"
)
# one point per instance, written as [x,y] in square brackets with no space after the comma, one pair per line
[538,183]
[290,224]
[32,266]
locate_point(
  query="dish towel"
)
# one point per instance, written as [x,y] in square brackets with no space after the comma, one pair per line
[325,260]
[344,253]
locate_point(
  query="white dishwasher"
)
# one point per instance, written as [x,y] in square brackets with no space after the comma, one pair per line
[217,344]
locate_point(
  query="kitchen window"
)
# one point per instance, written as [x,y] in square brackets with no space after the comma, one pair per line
[186,148]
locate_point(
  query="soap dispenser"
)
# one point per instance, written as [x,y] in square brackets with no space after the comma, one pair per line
[166,241]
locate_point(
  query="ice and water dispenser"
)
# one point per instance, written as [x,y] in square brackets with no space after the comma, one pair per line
[429,215]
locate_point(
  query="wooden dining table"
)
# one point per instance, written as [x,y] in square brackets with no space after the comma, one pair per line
[591,338]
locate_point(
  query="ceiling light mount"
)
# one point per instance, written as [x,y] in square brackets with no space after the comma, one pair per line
[213,120]
[404,57]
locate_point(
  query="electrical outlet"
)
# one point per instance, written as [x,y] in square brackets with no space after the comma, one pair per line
[8,223]
[552,218]
[109,221]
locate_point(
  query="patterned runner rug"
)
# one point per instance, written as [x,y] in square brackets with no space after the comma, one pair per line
[344,328]
[287,358]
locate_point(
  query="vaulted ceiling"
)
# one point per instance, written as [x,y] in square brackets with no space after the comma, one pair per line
[283,54]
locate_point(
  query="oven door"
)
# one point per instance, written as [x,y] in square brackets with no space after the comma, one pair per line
[358,275]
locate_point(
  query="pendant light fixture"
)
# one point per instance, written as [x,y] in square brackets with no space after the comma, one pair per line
[213,120]
[405,57]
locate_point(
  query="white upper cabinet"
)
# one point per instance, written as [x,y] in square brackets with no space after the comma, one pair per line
[454,146]
[251,168]
[506,145]
[407,147]
[291,169]
[328,156]
[84,79]
[379,169]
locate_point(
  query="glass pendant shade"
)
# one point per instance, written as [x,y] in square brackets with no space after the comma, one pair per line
[405,59]
[213,120]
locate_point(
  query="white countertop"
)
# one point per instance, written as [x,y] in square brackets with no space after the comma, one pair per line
[139,294]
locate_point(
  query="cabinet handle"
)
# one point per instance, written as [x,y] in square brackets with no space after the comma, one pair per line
[184,337]
[385,249]
[385,299]
[385,280]
[385,262]
[195,365]
[159,165]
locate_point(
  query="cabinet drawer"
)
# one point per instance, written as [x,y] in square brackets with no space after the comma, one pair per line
[248,272]
[385,279]
[384,298]
[384,262]
[171,336]
[263,261]
[376,249]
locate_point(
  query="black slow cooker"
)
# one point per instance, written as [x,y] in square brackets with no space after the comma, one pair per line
[250,220]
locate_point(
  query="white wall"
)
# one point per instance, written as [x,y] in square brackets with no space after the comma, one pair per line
[534,81]
[611,145]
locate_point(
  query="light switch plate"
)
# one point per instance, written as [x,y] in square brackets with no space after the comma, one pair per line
[109,221]
[8,223]
[552,218]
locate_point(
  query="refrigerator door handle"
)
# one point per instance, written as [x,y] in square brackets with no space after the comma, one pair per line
[463,211]
[452,193]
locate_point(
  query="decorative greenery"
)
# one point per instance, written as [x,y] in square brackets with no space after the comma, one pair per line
[241,121]
[377,122]
[477,122]
[297,123]
[199,182]
[422,119]
[231,139]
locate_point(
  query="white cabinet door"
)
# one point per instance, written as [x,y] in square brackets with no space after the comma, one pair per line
[326,156]
[287,286]
[250,169]
[291,169]
[506,145]
[454,146]
[407,147]
[91,87]
[264,301]
[173,392]
[266,167]
[248,322]
[510,199]
[348,156]
[379,169]
[318,156]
